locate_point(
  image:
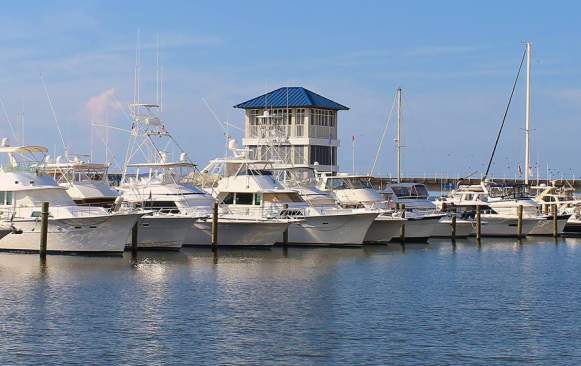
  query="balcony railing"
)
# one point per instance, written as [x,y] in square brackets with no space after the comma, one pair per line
[291,131]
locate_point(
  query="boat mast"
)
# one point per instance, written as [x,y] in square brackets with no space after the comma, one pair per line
[528,114]
[398,137]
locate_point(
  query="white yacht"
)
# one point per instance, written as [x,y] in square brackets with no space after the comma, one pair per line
[567,205]
[249,187]
[355,191]
[499,204]
[71,228]
[87,184]
[415,197]
[158,182]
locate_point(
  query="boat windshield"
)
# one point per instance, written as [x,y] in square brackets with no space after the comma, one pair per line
[338,183]
[415,191]
[506,191]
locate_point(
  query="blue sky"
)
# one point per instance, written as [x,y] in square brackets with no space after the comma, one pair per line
[455,61]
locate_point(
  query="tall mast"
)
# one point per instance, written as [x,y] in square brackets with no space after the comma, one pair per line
[528,115]
[398,137]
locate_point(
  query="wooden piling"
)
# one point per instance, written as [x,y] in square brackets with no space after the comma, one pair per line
[402,227]
[215,227]
[285,232]
[43,229]
[454,227]
[134,237]
[555,226]
[519,211]
[478,223]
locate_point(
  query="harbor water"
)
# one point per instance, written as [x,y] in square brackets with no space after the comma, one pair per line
[502,302]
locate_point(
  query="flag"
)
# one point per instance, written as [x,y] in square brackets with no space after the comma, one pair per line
[353,138]
[519,170]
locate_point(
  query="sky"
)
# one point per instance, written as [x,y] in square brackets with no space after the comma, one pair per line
[455,61]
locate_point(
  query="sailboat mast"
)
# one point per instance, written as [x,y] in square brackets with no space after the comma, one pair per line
[398,138]
[528,114]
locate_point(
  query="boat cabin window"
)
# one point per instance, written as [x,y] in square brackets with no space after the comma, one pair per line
[159,204]
[6,198]
[243,198]
[229,199]
[415,191]
[336,184]
[282,197]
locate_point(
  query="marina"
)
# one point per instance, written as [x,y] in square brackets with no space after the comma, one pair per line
[290,183]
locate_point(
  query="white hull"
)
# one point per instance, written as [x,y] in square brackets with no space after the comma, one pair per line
[545,227]
[383,229]
[238,233]
[94,234]
[497,225]
[162,232]
[421,228]
[349,229]
[464,228]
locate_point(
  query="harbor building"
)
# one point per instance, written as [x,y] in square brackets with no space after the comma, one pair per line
[294,126]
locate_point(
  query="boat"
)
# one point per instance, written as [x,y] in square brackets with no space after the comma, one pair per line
[318,221]
[71,228]
[156,181]
[87,184]
[563,198]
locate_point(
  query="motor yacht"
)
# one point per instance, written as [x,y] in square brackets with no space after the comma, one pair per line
[87,184]
[155,173]
[250,187]
[71,228]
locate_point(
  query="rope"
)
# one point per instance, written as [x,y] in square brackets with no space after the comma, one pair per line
[505,114]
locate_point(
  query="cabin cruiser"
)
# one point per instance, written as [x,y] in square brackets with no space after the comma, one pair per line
[250,186]
[356,191]
[415,198]
[159,168]
[71,228]
[499,206]
[567,204]
[87,184]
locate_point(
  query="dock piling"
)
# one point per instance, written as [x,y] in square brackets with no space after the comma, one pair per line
[43,229]
[134,235]
[478,223]
[555,228]
[215,227]
[402,227]
[519,211]
[285,232]
[454,227]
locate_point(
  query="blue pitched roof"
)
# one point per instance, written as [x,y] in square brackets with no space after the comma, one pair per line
[291,97]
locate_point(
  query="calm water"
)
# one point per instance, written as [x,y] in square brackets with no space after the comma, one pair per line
[502,303]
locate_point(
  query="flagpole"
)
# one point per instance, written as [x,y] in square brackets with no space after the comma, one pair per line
[353,153]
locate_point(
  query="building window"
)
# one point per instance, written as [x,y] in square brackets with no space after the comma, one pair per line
[324,155]
[299,154]
[6,198]
[300,116]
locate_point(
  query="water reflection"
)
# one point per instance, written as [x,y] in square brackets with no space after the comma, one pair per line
[503,299]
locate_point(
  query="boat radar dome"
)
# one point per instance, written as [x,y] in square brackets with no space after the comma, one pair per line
[183,157]
[58,159]
[4,142]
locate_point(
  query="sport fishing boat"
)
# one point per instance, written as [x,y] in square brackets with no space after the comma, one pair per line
[71,228]
[158,182]
[87,184]
[250,187]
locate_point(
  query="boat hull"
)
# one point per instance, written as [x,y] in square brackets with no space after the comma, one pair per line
[162,232]
[89,235]
[383,229]
[237,233]
[420,229]
[495,226]
[545,227]
[464,228]
[331,230]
